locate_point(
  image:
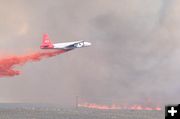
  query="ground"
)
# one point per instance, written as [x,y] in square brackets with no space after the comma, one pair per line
[44,112]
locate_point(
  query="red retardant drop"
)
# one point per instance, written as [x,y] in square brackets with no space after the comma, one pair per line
[7,64]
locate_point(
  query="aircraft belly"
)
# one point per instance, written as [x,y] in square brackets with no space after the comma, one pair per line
[62,47]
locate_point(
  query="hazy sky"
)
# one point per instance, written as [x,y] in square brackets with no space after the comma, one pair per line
[135,53]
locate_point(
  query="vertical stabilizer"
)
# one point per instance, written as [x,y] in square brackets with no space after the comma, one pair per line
[46,43]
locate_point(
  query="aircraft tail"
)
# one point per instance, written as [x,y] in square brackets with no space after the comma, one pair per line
[46,43]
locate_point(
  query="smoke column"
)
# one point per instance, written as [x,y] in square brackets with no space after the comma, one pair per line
[7,64]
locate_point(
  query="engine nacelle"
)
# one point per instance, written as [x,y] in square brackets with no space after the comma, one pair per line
[79,45]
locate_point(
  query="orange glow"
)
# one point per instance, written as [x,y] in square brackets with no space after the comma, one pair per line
[122,107]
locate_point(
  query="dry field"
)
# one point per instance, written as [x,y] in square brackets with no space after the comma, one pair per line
[24,112]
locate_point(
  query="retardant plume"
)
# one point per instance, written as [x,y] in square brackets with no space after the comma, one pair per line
[8,64]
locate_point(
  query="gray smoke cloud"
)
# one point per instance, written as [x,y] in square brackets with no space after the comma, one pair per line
[134,56]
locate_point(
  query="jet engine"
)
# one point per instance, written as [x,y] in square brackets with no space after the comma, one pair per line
[80,44]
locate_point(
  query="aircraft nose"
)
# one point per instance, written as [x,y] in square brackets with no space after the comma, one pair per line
[87,43]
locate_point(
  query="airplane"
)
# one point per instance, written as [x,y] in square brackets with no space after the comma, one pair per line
[47,44]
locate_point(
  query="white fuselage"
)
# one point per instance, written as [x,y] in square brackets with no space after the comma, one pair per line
[71,45]
[47,44]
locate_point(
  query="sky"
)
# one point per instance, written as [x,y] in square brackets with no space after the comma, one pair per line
[135,52]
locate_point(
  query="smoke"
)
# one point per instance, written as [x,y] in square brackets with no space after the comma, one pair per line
[8,64]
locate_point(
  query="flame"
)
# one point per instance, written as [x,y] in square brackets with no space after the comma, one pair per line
[114,107]
[7,64]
